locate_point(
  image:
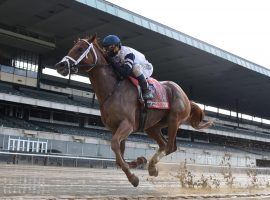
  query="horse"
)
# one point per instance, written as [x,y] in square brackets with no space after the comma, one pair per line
[120,109]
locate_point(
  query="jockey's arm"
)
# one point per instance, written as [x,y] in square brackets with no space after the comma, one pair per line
[126,69]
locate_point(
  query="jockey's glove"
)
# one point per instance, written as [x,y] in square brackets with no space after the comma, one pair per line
[124,70]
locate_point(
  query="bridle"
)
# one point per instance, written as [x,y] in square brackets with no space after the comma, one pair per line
[73,65]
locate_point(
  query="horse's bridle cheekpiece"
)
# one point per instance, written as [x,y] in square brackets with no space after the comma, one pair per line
[74,67]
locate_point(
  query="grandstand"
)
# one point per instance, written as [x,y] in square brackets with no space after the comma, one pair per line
[54,121]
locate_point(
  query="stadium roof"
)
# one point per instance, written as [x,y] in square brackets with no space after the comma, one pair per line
[208,74]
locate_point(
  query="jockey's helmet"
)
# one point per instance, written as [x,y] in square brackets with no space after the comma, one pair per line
[111,40]
[111,45]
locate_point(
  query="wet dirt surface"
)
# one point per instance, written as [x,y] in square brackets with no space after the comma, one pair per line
[38,182]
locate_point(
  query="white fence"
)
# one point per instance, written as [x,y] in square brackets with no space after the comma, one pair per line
[18,144]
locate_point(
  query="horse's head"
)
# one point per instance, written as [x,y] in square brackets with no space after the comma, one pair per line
[83,53]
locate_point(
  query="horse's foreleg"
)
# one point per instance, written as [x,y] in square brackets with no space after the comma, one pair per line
[122,147]
[140,161]
[120,135]
[155,133]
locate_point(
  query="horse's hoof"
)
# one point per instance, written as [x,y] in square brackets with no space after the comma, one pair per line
[153,171]
[134,180]
[170,150]
[132,165]
[141,160]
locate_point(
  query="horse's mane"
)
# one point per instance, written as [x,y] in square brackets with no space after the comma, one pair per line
[96,42]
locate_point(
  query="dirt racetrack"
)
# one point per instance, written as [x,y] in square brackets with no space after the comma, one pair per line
[38,182]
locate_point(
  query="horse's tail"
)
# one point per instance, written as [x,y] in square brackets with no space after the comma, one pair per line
[196,116]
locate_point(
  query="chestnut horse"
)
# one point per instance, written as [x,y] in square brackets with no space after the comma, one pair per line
[119,107]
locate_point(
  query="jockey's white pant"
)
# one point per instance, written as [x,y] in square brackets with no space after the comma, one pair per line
[146,70]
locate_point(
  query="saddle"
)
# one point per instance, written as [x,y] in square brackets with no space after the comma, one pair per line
[160,100]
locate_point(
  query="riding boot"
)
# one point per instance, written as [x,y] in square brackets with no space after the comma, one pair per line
[146,92]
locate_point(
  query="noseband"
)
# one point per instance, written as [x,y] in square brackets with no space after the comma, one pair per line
[73,64]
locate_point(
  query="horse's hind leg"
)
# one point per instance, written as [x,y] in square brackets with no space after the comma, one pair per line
[174,121]
[121,134]
[156,134]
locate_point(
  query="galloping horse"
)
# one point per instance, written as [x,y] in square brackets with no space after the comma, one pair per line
[119,107]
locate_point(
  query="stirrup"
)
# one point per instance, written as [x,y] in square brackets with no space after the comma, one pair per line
[148,95]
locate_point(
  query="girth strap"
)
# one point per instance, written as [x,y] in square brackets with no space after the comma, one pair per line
[143,116]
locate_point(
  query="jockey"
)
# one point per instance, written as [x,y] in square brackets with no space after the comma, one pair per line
[128,62]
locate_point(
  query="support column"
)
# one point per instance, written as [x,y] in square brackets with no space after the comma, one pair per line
[39,72]
[237,111]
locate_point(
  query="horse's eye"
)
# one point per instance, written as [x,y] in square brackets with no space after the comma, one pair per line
[80,49]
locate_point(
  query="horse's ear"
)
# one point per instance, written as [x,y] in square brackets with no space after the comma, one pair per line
[93,38]
[75,41]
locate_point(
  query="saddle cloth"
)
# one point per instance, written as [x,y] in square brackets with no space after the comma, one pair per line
[160,100]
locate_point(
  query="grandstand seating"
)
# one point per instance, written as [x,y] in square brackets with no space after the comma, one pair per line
[239,130]
[221,123]
[48,95]
[225,123]
[74,130]
[104,134]
[9,89]
[19,123]
[233,123]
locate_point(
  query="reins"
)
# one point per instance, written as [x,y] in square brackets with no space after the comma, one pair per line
[75,68]
[88,65]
